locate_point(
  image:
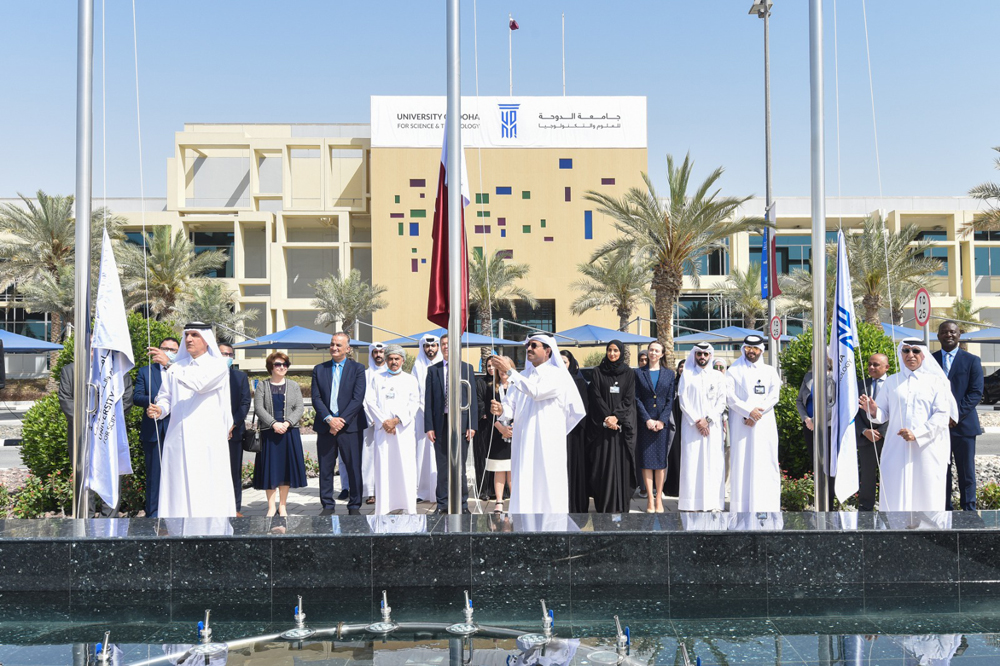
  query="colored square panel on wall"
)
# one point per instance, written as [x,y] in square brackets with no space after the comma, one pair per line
[418,182]
[418,212]
[505,254]
[396,198]
[414,265]
[549,239]
[477,252]
[423,261]
[414,228]
[526,194]
[421,195]
[482,228]
[395,215]
[482,213]
[414,250]
[503,190]
[526,228]
[501,221]
[503,233]
[482,197]
[565,162]
[543,224]
[588,224]
[400,228]
[607,181]
[569,194]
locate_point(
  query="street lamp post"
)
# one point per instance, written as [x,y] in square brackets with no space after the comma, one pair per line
[762,9]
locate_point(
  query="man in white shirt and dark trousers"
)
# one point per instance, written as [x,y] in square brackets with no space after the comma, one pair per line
[436,422]
[871,436]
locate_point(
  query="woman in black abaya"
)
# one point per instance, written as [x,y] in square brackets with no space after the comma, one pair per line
[611,432]
[576,456]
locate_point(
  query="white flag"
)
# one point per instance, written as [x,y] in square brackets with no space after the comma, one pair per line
[844,341]
[112,358]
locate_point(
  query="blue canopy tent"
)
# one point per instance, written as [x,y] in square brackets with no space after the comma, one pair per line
[468,339]
[731,335]
[296,337]
[22,344]
[592,336]
[988,336]
[901,332]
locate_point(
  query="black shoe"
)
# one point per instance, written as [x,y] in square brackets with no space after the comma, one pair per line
[354,512]
[344,494]
[328,511]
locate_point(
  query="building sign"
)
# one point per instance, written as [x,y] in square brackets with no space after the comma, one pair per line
[512,122]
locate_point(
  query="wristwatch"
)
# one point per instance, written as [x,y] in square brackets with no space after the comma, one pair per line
[708,420]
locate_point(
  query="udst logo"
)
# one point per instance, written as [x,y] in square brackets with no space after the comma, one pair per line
[508,120]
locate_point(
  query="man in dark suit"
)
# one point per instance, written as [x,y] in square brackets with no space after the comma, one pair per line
[436,423]
[338,394]
[871,436]
[152,433]
[240,397]
[965,372]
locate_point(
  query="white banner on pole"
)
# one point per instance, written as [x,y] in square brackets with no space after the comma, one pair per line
[512,122]
[844,343]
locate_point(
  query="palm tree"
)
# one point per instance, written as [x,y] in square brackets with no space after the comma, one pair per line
[40,241]
[963,313]
[212,302]
[742,293]
[989,192]
[616,281]
[347,299]
[493,281]
[673,234]
[169,272]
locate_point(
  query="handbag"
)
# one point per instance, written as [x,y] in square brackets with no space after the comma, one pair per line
[251,438]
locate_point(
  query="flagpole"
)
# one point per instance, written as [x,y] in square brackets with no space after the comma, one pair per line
[84,181]
[564,52]
[772,349]
[818,195]
[510,53]
[455,259]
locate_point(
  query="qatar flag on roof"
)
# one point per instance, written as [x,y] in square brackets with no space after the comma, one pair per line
[514,25]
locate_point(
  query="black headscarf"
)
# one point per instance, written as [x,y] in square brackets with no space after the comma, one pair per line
[618,367]
[574,366]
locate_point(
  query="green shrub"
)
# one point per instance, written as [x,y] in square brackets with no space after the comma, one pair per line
[308,417]
[593,359]
[312,467]
[44,447]
[796,493]
[408,362]
[44,438]
[246,473]
[793,453]
[988,497]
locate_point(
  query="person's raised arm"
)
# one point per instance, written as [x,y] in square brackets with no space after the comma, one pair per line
[202,378]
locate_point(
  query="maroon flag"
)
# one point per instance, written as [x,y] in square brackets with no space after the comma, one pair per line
[437,299]
[514,25]
[772,266]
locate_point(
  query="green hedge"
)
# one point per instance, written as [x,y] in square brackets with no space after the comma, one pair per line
[44,446]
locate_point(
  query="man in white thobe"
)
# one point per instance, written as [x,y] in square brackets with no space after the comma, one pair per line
[753,387]
[376,366]
[544,405]
[917,403]
[702,395]
[392,401]
[195,480]
[428,355]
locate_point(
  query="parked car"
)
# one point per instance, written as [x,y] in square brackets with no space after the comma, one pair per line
[991,389]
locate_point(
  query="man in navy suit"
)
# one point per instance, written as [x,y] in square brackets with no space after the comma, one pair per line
[965,372]
[870,436]
[338,395]
[147,384]
[436,423]
[240,398]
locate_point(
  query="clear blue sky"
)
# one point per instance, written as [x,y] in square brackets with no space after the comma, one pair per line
[699,63]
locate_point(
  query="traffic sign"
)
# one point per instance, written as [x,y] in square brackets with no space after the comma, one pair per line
[922,307]
[775,327]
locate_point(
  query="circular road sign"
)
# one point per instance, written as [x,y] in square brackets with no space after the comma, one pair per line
[775,327]
[922,307]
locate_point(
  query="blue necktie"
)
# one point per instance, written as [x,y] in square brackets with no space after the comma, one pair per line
[335,390]
[947,363]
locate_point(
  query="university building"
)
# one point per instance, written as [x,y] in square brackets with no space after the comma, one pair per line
[291,204]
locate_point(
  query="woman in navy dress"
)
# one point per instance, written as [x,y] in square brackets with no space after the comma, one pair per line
[280,465]
[654,397]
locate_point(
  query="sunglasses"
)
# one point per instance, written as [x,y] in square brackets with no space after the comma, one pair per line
[702,354]
[535,345]
[279,364]
[229,355]
[916,351]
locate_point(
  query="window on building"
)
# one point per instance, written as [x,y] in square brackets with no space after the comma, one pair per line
[794,251]
[940,253]
[542,317]
[698,312]
[986,236]
[715,262]
[215,240]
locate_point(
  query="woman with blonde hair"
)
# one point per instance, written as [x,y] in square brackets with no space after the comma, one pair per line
[501,432]
[280,464]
